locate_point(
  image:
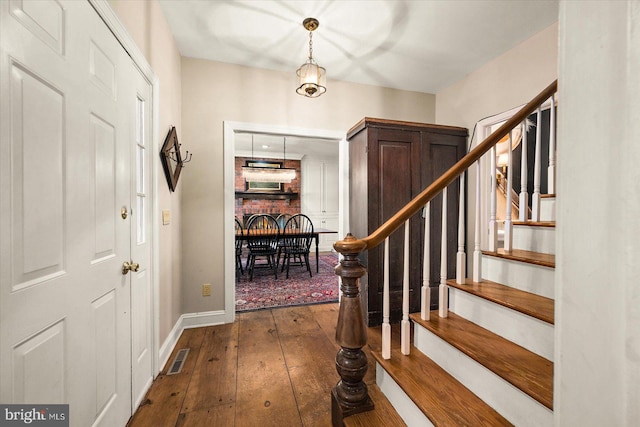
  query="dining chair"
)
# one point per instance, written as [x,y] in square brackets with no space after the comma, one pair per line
[282,222]
[239,242]
[296,238]
[282,219]
[262,240]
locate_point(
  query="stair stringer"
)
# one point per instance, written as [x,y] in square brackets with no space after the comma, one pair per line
[515,405]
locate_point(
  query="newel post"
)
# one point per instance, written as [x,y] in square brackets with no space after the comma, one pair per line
[350,396]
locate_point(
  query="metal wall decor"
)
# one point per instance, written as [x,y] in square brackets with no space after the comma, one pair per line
[172,159]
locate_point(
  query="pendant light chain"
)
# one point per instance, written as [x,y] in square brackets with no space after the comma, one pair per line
[311,76]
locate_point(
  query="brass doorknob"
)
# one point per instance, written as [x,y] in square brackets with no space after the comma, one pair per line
[128,266]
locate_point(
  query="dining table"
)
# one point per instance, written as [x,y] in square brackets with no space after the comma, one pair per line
[256,234]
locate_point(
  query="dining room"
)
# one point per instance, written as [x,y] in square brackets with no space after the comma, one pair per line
[287,212]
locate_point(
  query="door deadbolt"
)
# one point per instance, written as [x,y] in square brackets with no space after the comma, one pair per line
[128,266]
[124,213]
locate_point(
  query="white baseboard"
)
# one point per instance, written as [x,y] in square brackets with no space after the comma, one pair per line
[167,347]
[188,321]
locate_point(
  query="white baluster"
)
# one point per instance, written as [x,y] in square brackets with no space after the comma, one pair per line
[461,257]
[535,201]
[508,221]
[405,329]
[386,327]
[443,290]
[477,254]
[493,226]
[551,171]
[524,194]
[425,304]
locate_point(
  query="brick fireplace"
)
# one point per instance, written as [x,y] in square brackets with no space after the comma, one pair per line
[249,202]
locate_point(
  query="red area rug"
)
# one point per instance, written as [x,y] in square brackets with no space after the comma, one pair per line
[265,291]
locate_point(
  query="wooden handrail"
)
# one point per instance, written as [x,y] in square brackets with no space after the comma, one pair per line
[350,396]
[418,202]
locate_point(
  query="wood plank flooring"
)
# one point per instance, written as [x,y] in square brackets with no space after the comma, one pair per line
[270,368]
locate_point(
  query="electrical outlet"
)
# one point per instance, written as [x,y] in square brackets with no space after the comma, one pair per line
[206,290]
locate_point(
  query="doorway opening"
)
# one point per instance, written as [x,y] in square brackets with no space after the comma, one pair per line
[312,148]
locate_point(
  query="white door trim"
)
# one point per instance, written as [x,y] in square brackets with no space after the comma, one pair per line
[119,31]
[230,129]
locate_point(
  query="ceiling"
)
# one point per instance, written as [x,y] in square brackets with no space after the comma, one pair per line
[417,45]
[273,146]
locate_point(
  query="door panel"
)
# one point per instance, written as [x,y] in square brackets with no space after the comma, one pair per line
[104,191]
[37,180]
[68,105]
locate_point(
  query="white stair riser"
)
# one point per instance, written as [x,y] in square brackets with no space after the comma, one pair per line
[532,278]
[535,239]
[513,404]
[404,406]
[526,331]
[548,209]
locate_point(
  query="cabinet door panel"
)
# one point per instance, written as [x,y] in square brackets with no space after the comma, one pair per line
[330,188]
[389,164]
[398,181]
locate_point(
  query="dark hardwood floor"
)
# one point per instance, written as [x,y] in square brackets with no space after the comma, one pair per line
[270,368]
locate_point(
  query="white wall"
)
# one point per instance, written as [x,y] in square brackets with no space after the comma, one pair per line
[148,27]
[214,92]
[597,371]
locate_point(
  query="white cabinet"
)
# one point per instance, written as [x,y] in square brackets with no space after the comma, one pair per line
[319,197]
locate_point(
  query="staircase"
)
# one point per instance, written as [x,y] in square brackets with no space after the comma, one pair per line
[486,356]
[490,362]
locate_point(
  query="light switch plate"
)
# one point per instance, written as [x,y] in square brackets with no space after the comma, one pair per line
[206,290]
[166,217]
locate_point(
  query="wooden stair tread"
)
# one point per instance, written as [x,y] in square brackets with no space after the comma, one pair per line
[537,258]
[548,196]
[531,373]
[383,415]
[533,305]
[550,224]
[442,398]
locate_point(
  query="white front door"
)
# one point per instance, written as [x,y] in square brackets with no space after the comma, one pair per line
[73,328]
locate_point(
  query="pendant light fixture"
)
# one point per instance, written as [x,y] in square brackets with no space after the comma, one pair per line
[269,174]
[311,76]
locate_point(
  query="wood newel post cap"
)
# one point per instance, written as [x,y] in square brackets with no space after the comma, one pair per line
[350,245]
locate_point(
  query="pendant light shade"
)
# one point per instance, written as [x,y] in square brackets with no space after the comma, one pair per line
[281,175]
[311,76]
[269,174]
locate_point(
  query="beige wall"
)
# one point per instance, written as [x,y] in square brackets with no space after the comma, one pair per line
[213,92]
[148,27]
[508,81]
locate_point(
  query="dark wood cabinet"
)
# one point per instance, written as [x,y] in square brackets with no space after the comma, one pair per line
[390,162]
